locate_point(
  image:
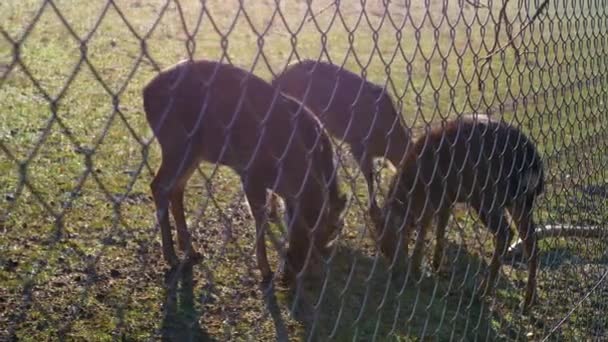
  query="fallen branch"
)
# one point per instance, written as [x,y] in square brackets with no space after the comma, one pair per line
[509,29]
[521,30]
[476,4]
[563,230]
[313,16]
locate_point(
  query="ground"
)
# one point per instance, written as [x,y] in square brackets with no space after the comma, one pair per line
[79,250]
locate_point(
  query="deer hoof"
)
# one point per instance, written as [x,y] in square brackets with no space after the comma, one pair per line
[442,269]
[527,304]
[184,243]
[170,257]
[288,277]
[267,279]
[193,256]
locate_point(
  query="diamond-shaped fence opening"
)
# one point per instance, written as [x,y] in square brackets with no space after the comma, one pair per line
[303,170]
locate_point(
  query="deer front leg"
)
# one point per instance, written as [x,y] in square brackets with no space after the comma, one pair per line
[418,252]
[366,165]
[522,215]
[443,218]
[497,223]
[256,196]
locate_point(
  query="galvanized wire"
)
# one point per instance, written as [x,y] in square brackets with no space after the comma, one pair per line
[81,251]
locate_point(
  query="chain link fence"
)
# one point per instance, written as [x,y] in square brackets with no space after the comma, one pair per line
[81,252]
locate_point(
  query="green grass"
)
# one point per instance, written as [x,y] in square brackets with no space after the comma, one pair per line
[79,250]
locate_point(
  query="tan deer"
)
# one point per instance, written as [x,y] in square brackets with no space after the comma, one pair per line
[352,109]
[490,165]
[218,113]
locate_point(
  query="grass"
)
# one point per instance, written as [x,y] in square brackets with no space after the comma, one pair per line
[79,250]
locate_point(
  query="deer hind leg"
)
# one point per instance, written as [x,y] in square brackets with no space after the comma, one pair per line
[256,196]
[365,161]
[443,217]
[522,215]
[289,274]
[161,202]
[387,235]
[418,251]
[184,239]
[497,223]
[168,188]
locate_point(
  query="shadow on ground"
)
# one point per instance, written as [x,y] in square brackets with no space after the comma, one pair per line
[358,301]
[181,318]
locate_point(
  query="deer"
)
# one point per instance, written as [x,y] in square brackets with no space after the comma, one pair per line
[214,112]
[356,111]
[488,164]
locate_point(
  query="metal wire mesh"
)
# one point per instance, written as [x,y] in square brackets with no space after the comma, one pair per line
[81,250]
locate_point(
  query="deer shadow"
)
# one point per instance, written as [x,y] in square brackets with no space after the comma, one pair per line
[358,299]
[180,316]
[555,256]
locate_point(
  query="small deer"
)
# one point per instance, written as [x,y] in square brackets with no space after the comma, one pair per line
[490,165]
[218,113]
[352,109]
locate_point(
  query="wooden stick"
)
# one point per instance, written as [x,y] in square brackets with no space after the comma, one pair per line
[509,28]
[476,4]
[321,11]
[521,30]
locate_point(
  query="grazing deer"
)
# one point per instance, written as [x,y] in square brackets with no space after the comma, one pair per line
[218,113]
[488,164]
[352,109]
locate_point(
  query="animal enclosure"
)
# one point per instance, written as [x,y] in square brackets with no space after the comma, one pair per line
[81,252]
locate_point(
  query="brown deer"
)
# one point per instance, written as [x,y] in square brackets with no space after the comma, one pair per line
[490,165]
[219,113]
[352,109]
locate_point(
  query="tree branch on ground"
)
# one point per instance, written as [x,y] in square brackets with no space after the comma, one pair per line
[322,10]
[476,3]
[509,29]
